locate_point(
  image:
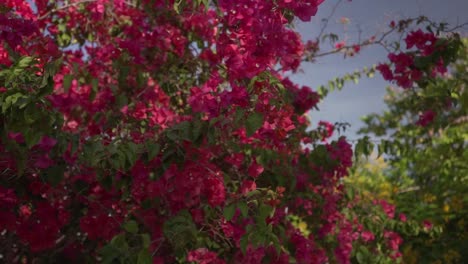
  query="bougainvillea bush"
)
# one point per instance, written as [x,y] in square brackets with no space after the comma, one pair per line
[160,131]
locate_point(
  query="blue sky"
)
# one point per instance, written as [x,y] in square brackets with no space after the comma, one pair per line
[371,16]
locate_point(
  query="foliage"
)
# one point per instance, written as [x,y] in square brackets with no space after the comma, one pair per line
[165,132]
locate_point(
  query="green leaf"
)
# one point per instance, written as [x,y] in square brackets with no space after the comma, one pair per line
[31,114]
[32,137]
[244,208]
[131,226]
[94,89]
[47,88]
[360,257]
[264,211]
[253,123]
[10,100]
[144,257]
[124,70]
[131,150]
[119,241]
[121,100]
[180,231]
[67,81]
[244,241]
[229,211]
[276,242]
[109,253]
[25,62]
[153,150]
[54,175]
[196,130]
[146,240]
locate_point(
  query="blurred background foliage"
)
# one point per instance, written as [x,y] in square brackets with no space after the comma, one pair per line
[422,166]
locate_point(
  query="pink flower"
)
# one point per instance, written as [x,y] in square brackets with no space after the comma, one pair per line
[386,72]
[389,209]
[426,118]
[255,169]
[367,236]
[396,255]
[44,162]
[47,143]
[423,41]
[215,191]
[427,224]
[326,129]
[340,45]
[25,211]
[235,159]
[72,124]
[227,228]
[304,98]
[8,197]
[356,48]
[402,218]
[394,240]
[198,215]
[203,256]
[18,137]
[247,186]
[41,229]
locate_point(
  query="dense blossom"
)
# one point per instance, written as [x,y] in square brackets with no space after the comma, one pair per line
[203,256]
[394,240]
[304,99]
[425,42]
[326,129]
[367,236]
[407,68]
[389,209]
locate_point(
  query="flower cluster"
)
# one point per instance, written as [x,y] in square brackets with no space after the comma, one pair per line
[426,118]
[407,68]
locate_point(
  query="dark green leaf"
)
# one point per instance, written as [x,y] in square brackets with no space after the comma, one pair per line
[25,62]
[32,137]
[67,81]
[253,123]
[244,208]
[244,241]
[120,242]
[144,257]
[146,240]
[229,211]
[54,175]
[109,253]
[153,150]
[131,226]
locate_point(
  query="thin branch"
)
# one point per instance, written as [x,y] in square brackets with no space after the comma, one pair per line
[410,189]
[64,7]
[326,20]
[362,44]
[456,27]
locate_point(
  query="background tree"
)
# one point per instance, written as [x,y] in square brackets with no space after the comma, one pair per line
[425,138]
